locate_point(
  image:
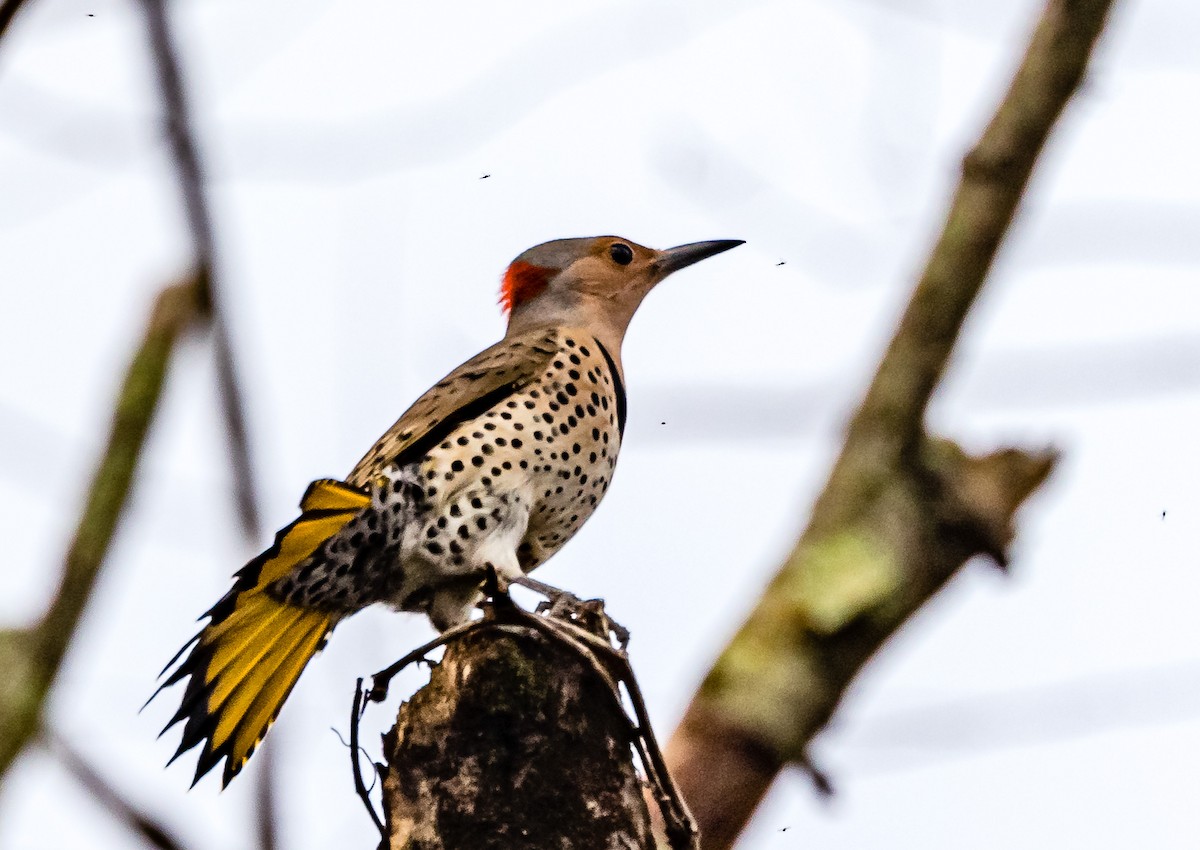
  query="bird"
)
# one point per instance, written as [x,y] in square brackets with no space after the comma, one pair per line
[487,474]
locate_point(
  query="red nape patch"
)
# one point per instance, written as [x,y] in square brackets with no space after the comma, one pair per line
[522,282]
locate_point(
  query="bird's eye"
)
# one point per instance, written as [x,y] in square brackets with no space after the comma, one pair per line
[622,254]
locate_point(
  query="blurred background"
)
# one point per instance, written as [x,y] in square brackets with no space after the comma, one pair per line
[374,166]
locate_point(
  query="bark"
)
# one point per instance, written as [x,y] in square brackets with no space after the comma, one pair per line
[902,510]
[513,743]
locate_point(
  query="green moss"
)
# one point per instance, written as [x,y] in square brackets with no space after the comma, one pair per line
[839,578]
[22,689]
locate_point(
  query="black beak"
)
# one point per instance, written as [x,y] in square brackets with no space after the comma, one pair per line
[674,259]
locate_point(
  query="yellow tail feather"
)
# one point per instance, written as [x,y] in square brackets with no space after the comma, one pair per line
[234,636]
[255,677]
[248,658]
[265,708]
[330,495]
[246,664]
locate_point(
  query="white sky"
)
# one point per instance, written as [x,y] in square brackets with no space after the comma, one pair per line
[361,253]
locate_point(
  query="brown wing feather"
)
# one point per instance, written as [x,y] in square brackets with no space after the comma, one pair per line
[471,389]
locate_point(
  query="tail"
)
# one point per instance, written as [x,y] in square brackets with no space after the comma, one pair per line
[246,660]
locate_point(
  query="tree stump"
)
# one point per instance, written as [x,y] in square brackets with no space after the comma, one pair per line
[515,742]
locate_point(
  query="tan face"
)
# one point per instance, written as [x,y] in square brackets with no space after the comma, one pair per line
[613,268]
[595,281]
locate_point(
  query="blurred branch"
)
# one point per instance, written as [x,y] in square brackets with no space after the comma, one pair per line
[902,511]
[154,833]
[191,182]
[33,656]
[266,805]
[8,10]
[30,657]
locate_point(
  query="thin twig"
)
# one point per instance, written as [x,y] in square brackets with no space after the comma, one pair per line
[360,787]
[380,681]
[103,791]
[191,182]
[186,158]
[265,802]
[361,750]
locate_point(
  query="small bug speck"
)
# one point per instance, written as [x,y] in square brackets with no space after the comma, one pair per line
[781,263]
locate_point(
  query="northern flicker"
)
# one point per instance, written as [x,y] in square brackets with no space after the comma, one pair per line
[495,467]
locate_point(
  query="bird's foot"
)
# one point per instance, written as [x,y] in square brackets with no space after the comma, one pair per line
[587,614]
[582,626]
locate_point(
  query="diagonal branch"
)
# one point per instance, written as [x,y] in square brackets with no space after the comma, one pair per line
[153,832]
[994,176]
[30,658]
[177,121]
[8,10]
[902,511]
[191,182]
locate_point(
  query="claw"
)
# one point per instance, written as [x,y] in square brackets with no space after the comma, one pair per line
[587,613]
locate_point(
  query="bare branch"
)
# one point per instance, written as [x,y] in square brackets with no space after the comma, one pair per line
[155,834]
[8,10]
[191,181]
[186,157]
[266,804]
[356,751]
[29,658]
[995,174]
[902,511]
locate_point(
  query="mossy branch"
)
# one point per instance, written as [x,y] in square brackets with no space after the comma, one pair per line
[902,511]
[30,657]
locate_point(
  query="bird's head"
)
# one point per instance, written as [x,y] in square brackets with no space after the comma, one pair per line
[596,282]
